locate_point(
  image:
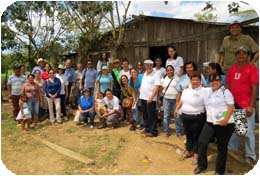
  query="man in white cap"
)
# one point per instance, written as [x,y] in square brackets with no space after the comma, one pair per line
[40,66]
[234,41]
[148,95]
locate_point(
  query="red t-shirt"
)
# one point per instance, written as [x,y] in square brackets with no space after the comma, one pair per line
[241,81]
[45,76]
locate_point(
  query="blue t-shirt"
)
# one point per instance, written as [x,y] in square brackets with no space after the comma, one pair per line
[223,79]
[84,103]
[104,82]
[185,81]
[137,84]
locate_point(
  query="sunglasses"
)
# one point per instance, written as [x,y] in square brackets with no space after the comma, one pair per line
[216,79]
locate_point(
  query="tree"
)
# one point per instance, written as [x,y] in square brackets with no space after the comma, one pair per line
[207,14]
[35,26]
[86,20]
[117,29]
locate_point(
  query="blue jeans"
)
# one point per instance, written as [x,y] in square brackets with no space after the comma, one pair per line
[168,108]
[34,106]
[84,117]
[249,138]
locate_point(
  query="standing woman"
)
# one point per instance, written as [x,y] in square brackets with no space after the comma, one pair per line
[34,95]
[189,69]
[52,90]
[41,83]
[64,90]
[193,115]
[104,80]
[45,74]
[140,67]
[135,82]
[169,92]
[213,68]
[103,61]
[128,100]
[175,60]
[218,100]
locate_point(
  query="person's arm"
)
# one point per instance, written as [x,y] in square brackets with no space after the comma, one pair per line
[23,89]
[221,59]
[9,88]
[154,93]
[178,106]
[255,58]
[230,110]
[250,108]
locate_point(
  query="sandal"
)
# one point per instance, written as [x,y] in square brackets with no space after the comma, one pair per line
[186,155]
[194,161]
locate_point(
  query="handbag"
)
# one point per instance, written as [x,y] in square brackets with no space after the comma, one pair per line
[241,125]
[127,102]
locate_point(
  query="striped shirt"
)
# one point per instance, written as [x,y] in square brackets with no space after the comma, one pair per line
[16,83]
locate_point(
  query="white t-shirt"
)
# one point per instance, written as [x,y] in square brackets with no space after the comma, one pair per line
[161,72]
[64,83]
[171,92]
[122,72]
[112,104]
[148,84]
[217,102]
[193,100]
[176,63]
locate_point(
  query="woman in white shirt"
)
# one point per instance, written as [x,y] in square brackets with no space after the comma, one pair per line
[193,115]
[175,60]
[219,104]
[169,94]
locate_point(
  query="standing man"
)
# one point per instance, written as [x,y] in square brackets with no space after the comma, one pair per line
[125,70]
[41,64]
[242,80]
[148,95]
[88,78]
[234,41]
[14,86]
[116,76]
[71,77]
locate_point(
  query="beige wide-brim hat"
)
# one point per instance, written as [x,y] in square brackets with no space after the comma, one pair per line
[62,67]
[40,60]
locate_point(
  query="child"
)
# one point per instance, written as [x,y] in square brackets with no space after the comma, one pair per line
[100,104]
[24,115]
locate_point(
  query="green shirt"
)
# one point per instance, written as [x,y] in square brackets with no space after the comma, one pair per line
[229,46]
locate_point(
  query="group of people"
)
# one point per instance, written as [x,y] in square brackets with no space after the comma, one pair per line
[120,92]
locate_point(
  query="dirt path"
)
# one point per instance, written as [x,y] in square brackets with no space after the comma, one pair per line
[115,151]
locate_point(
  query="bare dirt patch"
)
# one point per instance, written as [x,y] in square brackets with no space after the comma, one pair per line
[115,151]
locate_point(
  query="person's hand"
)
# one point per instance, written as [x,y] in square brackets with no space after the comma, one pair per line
[249,111]
[175,113]
[149,101]
[9,95]
[223,122]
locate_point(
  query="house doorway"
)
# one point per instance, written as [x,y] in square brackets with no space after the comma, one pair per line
[159,51]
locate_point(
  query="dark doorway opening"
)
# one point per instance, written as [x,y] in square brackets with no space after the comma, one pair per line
[159,51]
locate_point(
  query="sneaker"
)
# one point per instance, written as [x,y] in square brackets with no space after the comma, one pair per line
[85,124]
[91,126]
[250,160]
[65,118]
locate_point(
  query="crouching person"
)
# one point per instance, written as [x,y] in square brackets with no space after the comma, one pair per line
[112,114]
[86,108]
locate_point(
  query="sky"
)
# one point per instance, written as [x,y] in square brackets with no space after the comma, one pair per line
[174,9]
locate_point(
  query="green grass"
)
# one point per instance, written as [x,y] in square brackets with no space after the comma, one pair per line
[72,166]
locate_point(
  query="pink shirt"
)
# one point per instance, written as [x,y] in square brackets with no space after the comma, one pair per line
[240,82]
